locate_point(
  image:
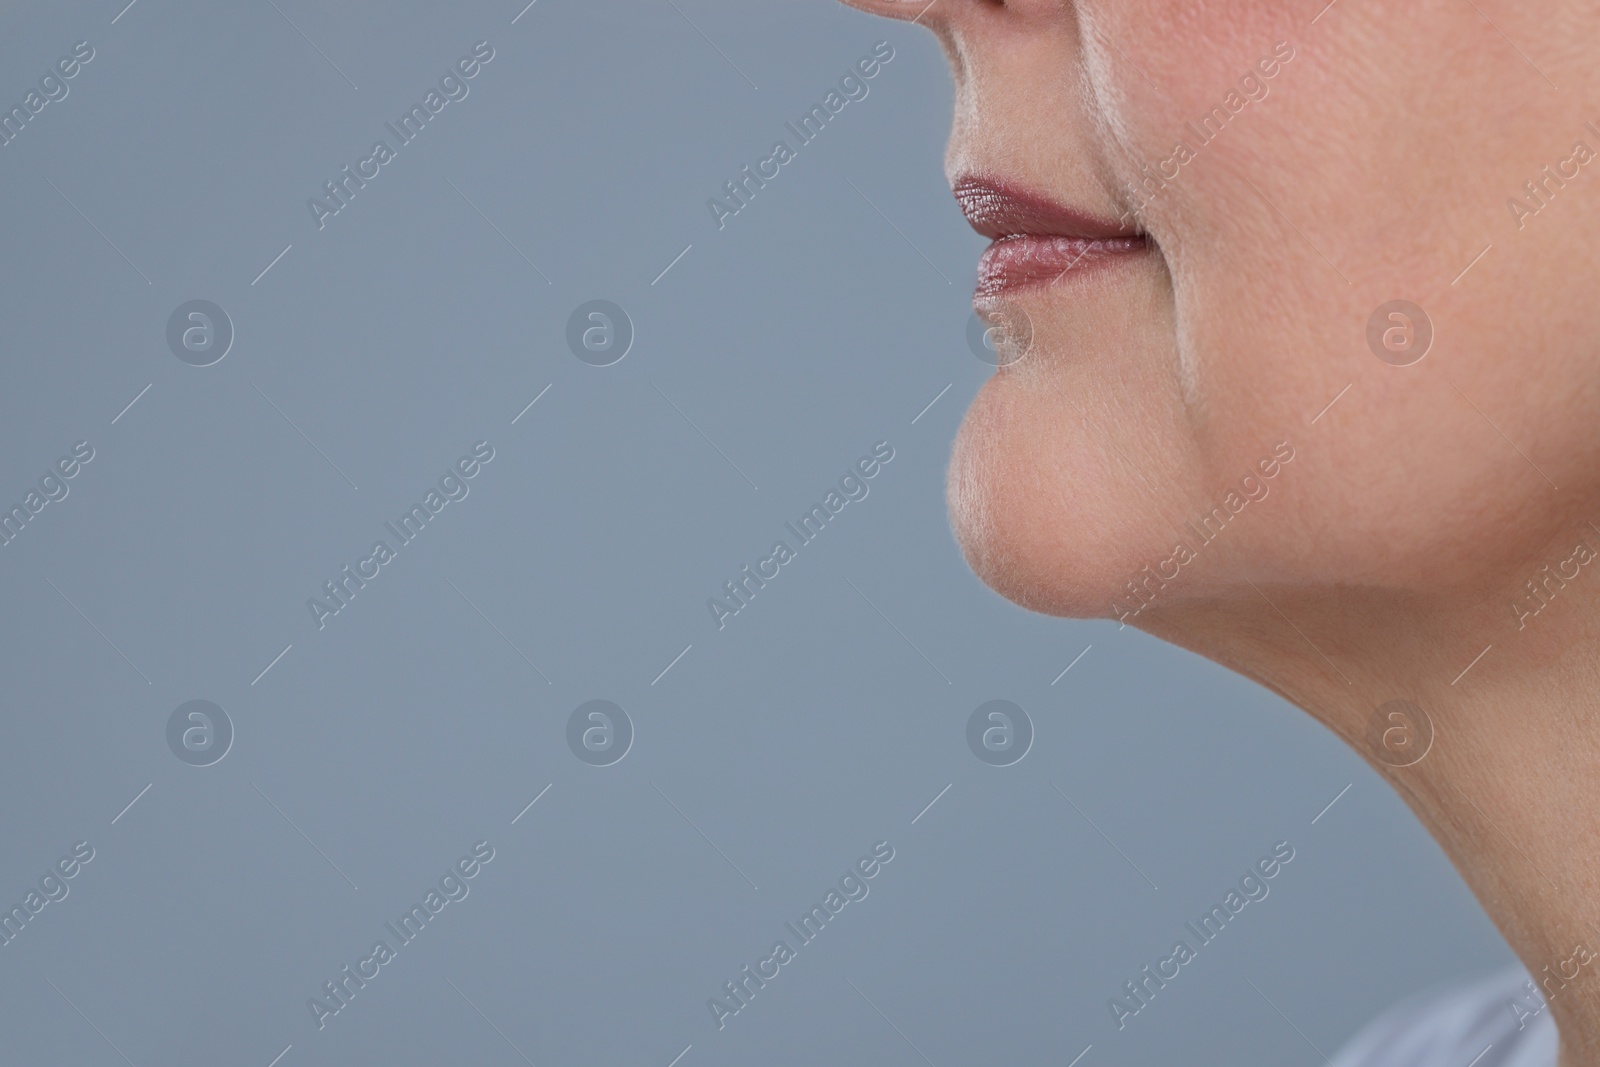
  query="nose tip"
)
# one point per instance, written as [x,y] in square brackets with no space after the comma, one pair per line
[905,10]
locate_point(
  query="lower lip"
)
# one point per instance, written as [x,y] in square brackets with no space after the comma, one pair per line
[1014,263]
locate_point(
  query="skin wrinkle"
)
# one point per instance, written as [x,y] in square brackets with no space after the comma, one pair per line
[1095,74]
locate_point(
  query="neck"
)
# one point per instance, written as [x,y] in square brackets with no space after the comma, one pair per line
[1507,785]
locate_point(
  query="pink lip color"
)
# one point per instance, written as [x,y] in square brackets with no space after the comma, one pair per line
[1036,240]
[1028,259]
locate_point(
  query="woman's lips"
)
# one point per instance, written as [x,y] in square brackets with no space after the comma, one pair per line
[1037,240]
[1033,259]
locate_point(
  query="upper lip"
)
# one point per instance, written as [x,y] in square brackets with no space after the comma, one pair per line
[998,210]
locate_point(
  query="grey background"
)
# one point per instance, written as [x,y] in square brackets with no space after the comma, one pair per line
[409,727]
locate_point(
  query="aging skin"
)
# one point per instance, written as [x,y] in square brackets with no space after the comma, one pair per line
[1377,162]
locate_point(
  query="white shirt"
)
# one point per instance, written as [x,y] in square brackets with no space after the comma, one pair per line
[1465,1026]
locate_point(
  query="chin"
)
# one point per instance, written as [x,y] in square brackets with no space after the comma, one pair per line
[1035,508]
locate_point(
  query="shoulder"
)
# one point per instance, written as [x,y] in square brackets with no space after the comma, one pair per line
[1492,1022]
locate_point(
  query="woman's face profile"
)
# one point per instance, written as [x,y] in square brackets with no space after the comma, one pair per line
[1278,275]
[1294,307]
